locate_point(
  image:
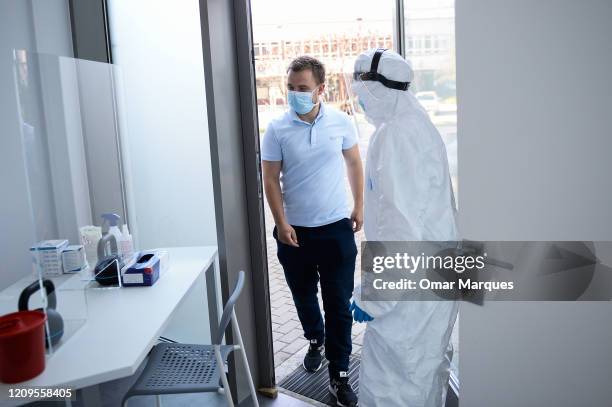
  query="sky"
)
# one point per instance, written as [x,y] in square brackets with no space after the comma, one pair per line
[279,11]
[284,18]
[292,19]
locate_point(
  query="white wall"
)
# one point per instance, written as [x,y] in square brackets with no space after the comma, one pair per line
[157,49]
[535,97]
[40,26]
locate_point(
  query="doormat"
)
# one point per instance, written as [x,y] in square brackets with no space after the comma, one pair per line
[315,386]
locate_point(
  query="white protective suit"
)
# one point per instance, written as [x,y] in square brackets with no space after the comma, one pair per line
[408,197]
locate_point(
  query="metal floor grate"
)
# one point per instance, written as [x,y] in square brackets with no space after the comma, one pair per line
[315,385]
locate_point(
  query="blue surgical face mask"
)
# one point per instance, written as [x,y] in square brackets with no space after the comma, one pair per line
[301,102]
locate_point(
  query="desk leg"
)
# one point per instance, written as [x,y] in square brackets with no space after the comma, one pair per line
[91,396]
[213,295]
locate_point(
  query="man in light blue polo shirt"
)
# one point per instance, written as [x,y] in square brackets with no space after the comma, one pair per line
[304,153]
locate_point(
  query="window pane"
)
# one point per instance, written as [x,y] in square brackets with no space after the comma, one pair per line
[430,47]
[334,32]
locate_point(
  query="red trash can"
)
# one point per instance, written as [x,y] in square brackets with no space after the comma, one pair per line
[22,346]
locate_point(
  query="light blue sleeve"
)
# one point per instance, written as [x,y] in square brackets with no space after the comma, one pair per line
[270,147]
[350,135]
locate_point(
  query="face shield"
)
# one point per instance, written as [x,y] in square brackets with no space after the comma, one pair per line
[350,100]
[358,94]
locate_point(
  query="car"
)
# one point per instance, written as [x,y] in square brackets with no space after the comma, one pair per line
[446,114]
[429,100]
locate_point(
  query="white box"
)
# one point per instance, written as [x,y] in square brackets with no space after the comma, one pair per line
[73,259]
[49,255]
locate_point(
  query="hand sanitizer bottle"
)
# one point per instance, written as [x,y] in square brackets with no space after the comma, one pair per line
[113,229]
[126,244]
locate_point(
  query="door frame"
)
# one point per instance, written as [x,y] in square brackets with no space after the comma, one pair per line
[245,179]
[246,62]
[229,75]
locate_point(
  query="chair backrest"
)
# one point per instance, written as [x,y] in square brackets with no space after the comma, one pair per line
[226,317]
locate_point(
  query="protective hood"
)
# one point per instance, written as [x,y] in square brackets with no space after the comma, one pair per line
[382,103]
[408,194]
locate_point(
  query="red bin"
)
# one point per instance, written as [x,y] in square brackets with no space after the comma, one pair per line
[22,346]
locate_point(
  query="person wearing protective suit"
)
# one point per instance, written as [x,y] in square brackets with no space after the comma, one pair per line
[408,197]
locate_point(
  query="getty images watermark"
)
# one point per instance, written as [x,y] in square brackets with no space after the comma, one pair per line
[479,271]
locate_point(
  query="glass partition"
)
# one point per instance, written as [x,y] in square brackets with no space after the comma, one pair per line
[78,168]
[66,114]
[68,120]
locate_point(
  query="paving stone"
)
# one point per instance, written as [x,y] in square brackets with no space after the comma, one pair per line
[287,308]
[277,334]
[284,317]
[295,346]
[285,329]
[294,334]
[280,357]
[279,346]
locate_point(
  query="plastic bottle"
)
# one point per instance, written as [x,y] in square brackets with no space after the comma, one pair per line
[113,229]
[90,236]
[126,244]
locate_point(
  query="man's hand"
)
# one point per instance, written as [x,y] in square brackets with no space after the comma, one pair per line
[287,235]
[357,218]
[355,177]
[271,176]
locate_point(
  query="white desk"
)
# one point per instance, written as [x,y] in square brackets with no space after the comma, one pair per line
[122,326]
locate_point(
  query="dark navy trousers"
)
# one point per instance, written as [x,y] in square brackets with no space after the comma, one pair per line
[326,255]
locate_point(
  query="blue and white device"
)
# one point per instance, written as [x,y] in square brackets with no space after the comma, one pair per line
[145,271]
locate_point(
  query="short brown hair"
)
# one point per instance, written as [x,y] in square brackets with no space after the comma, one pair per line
[304,62]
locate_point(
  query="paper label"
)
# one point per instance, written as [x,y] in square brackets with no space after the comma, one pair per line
[133,279]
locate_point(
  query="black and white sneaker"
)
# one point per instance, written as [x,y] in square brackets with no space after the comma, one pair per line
[342,391]
[314,357]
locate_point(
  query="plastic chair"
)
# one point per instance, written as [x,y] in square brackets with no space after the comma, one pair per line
[175,368]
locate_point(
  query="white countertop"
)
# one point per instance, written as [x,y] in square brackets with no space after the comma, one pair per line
[122,325]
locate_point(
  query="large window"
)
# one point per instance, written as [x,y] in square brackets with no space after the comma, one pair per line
[429,27]
[336,32]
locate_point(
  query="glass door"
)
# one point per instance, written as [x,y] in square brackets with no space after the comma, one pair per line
[335,33]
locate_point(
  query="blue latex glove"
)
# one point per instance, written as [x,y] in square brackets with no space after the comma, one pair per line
[359,315]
